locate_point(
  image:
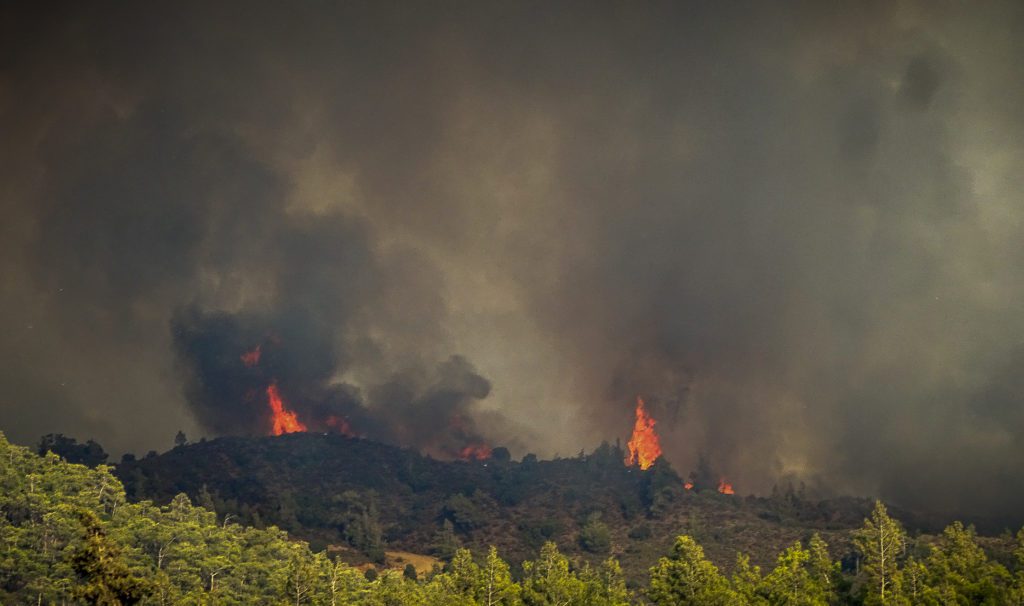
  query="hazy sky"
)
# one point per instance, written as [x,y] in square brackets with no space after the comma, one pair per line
[796,229]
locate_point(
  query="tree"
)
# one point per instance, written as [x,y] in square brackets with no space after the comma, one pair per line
[595,536]
[180,439]
[465,513]
[880,542]
[89,454]
[501,455]
[747,582]
[303,576]
[205,500]
[824,572]
[960,572]
[703,478]
[105,577]
[345,584]
[360,523]
[457,584]
[687,577]
[549,582]
[391,589]
[495,585]
[915,586]
[463,572]
[445,542]
[661,487]
[605,585]
[792,583]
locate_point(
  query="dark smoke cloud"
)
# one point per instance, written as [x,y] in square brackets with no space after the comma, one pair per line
[230,361]
[795,229]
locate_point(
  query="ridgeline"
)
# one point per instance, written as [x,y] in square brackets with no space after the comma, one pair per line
[364,497]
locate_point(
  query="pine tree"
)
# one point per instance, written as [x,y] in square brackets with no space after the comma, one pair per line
[345,585]
[960,572]
[595,536]
[914,577]
[747,582]
[881,541]
[494,582]
[549,582]
[445,541]
[605,585]
[105,577]
[686,577]
[824,572]
[792,582]
[303,576]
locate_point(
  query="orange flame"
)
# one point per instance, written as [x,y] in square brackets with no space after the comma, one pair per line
[644,446]
[725,487]
[688,485]
[251,358]
[284,420]
[479,452]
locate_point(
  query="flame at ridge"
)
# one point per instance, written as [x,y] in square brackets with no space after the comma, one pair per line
[479,452]
[284,420]
[644,445]
[725,487]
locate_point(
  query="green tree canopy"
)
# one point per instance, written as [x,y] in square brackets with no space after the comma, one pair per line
[686,577]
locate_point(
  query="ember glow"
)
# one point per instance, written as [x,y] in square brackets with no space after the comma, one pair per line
[644,446]
[688,485]
[251,358]
[478,452]
[725,487]
[284,420]
[340,425]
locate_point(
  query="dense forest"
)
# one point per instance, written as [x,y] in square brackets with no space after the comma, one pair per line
[373,498]
[69,535]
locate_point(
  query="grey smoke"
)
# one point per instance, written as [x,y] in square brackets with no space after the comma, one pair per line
[794,229]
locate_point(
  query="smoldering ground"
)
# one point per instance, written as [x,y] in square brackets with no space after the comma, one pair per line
[795,229]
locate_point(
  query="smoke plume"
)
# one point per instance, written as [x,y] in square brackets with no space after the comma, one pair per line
[793,229]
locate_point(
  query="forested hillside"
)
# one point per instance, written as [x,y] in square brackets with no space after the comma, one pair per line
[69,535]
[333,490]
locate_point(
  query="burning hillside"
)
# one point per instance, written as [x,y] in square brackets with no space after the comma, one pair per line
[282,419]
[644,448]
[644,445]
[254,375]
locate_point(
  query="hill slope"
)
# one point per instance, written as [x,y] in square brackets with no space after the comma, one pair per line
[337,491]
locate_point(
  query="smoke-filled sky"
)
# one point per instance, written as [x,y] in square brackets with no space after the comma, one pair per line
[797,229]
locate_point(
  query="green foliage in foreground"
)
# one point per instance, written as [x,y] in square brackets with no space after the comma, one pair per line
[68,536]
[953,571]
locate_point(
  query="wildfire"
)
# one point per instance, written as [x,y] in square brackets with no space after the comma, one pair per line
[340,425]
[479,452]
[251,358]
[644,446]
[725,487]
[688,485]
[284,420]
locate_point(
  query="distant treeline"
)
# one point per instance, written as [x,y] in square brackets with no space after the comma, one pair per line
[69,536]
